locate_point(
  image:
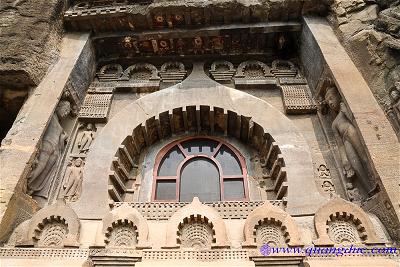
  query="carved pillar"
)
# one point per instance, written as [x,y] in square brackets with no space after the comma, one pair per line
[74,69]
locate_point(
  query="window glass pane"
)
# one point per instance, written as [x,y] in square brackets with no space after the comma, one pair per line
[200,178]
[169,164]
[229,161]
[233,189]
[166,190]
[200,146]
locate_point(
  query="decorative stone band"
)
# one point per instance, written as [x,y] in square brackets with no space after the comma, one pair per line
[203,255]
[38,253]
[226,209]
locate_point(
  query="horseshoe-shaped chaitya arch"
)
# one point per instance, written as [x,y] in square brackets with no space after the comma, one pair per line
[292,145]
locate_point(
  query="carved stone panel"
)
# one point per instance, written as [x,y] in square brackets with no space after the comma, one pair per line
[324,180]
[297,99]
[96,108]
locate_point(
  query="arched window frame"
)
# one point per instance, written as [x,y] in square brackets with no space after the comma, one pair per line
[188,157]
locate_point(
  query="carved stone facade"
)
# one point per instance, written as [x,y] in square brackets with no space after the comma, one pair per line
[202,133]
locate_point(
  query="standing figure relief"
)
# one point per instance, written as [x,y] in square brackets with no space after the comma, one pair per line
[394,110]
[86,139]
[51,148]
[352,153]
[73,180]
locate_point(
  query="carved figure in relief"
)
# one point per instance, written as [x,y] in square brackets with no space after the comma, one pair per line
[73,180]
[328,187]
[353,193]
[324,172]
[180,46]
[86,139]
[351,150]
[41,176]
[198,45]
[217,44]
[394,110]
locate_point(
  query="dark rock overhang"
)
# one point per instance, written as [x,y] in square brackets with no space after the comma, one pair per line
[130,15]
[264,38]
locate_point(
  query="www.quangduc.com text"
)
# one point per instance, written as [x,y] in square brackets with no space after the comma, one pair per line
[267,250]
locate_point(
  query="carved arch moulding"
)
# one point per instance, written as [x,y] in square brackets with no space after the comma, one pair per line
[54,226]
[191,214]
[270,215]
[351,221]
[124,227]
[213,121]
[142,123]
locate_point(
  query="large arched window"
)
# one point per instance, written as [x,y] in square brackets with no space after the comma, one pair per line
[202,167]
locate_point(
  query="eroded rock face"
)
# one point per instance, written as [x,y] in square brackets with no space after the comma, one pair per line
[389,21]
[370,32]
[30,34]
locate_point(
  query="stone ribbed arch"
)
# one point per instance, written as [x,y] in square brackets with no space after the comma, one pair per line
[212,121]
[141,66]
[196,91]
[169,64]
[339,208]
[271,213]
[196,209]
[217,63]
[131,215]
[242,66]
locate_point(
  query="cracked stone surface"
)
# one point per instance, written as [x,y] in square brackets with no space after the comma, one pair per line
[370,32]
[30,36]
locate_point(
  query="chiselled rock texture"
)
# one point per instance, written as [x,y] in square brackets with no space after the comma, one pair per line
[370,33]
[30,37]
[30,34]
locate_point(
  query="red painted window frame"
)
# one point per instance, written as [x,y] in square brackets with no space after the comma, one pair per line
[177,178]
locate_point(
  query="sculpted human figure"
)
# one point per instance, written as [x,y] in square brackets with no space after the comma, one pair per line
[51,148]
[351,150]
[353,193]
[86,139]
[73,180]
[394,111]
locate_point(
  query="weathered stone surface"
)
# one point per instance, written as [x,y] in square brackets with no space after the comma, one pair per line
[368,31]
[30,37]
